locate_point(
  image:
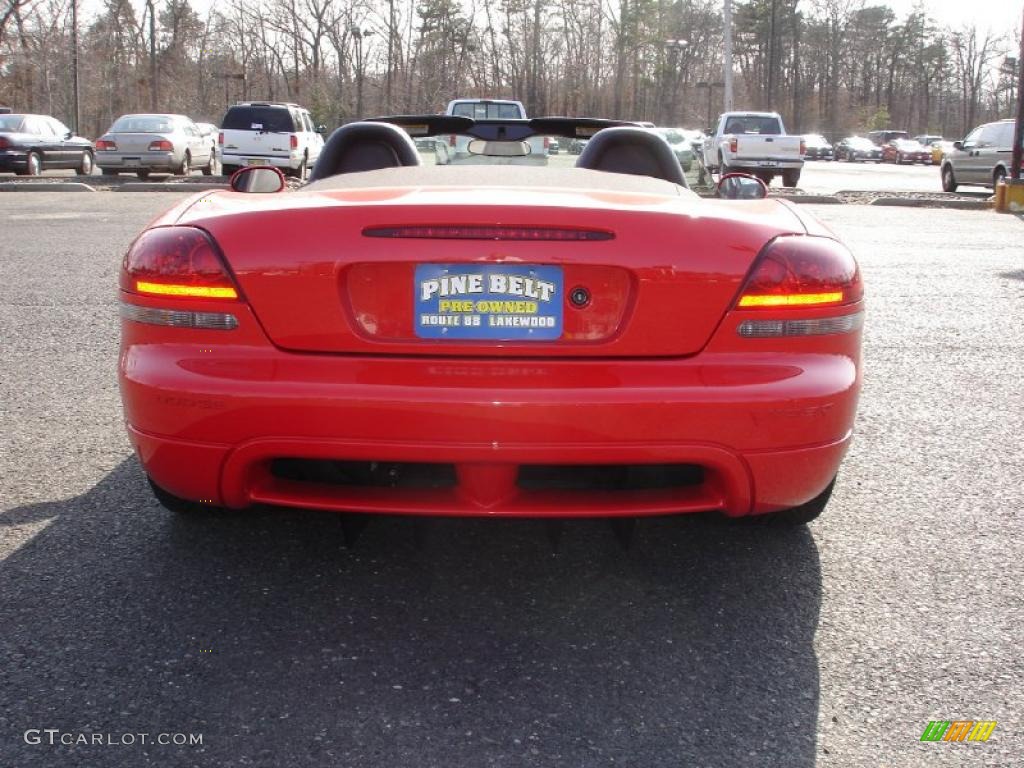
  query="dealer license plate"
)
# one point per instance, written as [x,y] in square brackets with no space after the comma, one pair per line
[498,302]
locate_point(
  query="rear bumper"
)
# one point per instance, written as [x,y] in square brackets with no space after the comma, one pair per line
[764,164]
[128,161]
[278,161]
[13,160]
[768,430]
[486,476]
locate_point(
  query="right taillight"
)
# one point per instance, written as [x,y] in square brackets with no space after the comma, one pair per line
[176,262]
[802,271]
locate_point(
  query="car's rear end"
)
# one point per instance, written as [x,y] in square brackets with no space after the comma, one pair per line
[395,349]
[15,143]
[144,143]
[260,134]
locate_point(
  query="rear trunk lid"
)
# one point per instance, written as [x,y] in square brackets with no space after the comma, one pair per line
[328,274]
[773,147]
[256,143]
[128,143]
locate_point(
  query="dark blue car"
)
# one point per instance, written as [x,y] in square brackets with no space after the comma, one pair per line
[30,144]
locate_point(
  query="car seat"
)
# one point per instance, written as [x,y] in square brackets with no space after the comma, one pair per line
[365,147]
[635,151]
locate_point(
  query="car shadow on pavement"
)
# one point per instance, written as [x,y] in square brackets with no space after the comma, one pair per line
[474,645]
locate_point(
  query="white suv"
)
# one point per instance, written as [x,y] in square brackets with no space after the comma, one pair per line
[269,133]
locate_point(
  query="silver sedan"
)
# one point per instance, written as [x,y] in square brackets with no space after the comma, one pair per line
[144,144]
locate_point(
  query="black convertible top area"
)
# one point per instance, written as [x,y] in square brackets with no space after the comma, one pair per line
[517,176]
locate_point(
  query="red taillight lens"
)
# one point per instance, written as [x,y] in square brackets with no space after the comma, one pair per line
[176,261]
[803,147]
[220,137]
[451,140]
[547,142]
[802,271]
[4,143]
[105,145]
[734,145]
[161,145]
[294,141]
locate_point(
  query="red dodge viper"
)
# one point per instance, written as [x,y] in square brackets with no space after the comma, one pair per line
[492,337]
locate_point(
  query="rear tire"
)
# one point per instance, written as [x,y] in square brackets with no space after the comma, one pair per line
[33,165]
[210,169]
[999,174]
[948,179]
[300,173]
[790,518]
[178,505]
[85,167]
[791,178]
[186,167]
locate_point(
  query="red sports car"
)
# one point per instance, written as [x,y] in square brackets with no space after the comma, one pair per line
[503,337]
[902,151]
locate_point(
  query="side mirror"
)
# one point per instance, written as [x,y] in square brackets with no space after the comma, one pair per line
[321,128]
[68,135]
[257,178]
[958,145]
[741,186]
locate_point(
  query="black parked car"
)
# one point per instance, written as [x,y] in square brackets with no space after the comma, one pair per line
[30,144]
[854,148]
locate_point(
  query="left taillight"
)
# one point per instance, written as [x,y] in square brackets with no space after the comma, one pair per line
[802,271]
[180,262]
[803,147]
[105,145]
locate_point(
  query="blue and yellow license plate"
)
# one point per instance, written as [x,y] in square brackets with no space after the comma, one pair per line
[497,302]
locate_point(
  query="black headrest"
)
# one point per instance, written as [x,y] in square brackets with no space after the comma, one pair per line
[632,150]
[365,147]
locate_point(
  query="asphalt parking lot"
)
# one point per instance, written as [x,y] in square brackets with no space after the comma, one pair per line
[469,643]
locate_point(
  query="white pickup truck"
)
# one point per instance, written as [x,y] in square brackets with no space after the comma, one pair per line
[455,148]
[755,143]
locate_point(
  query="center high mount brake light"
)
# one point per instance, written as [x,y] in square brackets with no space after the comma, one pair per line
[473,232]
